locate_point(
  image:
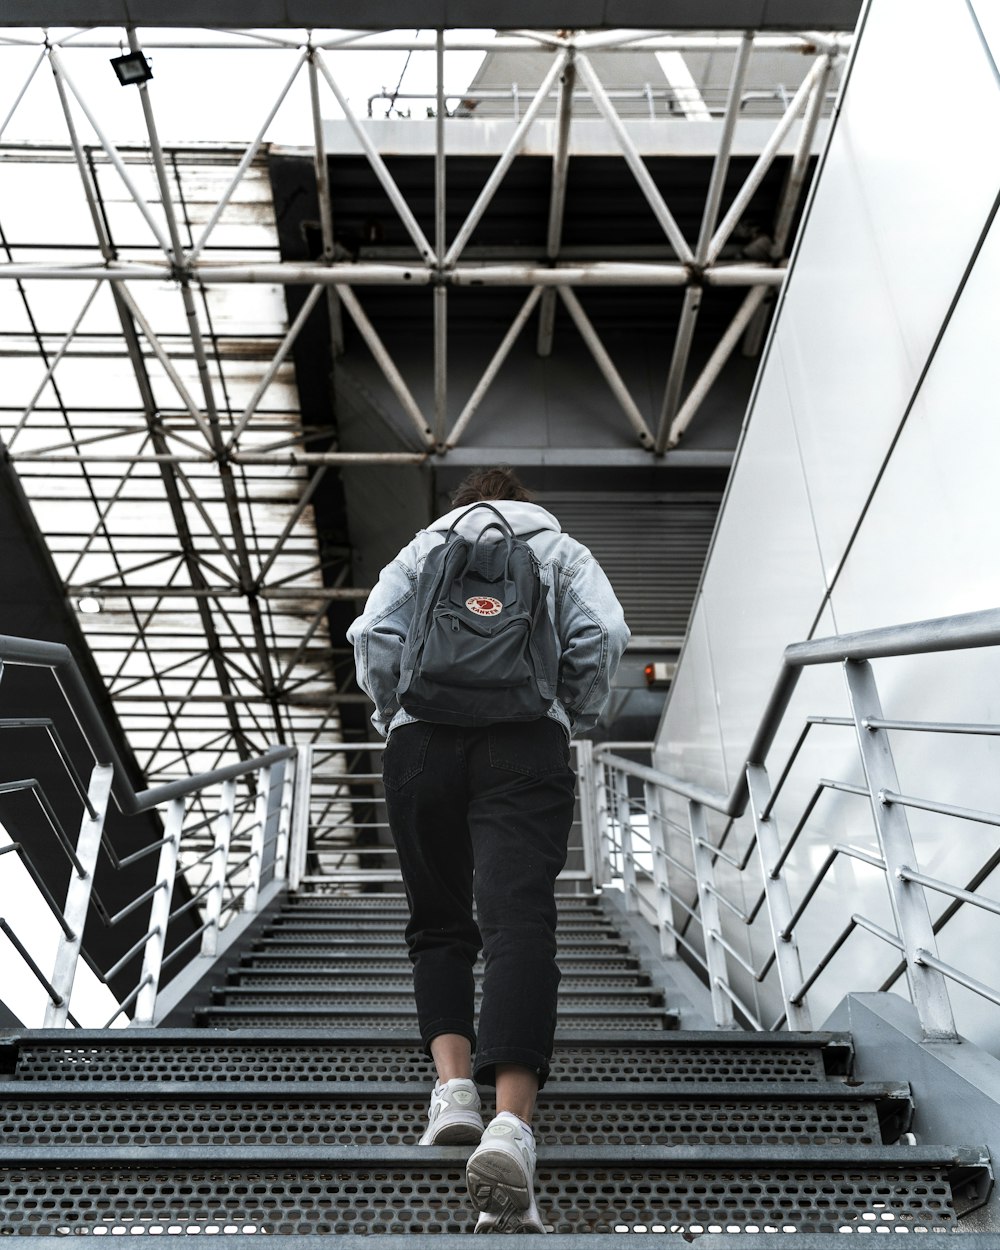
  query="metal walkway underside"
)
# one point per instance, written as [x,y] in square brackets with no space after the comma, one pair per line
[293,1107]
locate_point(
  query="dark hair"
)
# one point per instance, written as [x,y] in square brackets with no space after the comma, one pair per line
[496,483]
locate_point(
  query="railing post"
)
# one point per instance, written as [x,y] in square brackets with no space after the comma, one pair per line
[715,956]
[78,894]
[928,987]
[602,780]
[586,787]
[159,915]
[220,862]
[623,809]
[661,875]
[284,801]
[299,842]
[779,909]
[256,863]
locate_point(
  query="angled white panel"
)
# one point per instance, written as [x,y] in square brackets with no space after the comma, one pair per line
[886,244]
[765,584]
[929,541]
[688,743]
[988,16]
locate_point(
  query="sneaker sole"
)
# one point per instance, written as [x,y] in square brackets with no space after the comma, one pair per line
[456,1134]
[499,1187]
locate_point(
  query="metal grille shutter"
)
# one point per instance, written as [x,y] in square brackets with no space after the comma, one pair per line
[652,548]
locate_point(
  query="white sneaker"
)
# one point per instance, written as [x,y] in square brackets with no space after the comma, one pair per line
[500,1175]
[454,1116]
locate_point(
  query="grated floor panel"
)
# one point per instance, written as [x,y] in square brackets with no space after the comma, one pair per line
[393,981]
[430,1198]
[224,1061]
[278,1017]
[327,1120]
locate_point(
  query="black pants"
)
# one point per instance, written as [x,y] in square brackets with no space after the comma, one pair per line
[483,812]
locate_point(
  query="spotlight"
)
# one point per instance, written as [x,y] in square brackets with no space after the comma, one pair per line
[87,603]
[132,68]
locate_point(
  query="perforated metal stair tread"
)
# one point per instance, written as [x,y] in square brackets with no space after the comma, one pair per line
[240,1056]
[571,997]
[395,981]
[364,1192]
[275,1117]
[590,1021]
[666,1237]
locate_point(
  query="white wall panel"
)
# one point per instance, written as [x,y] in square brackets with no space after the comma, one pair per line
[886,244]
[691,746]
[765,582]
[988,16]
[929,543]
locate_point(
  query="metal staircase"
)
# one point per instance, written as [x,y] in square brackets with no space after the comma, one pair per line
[292,1110]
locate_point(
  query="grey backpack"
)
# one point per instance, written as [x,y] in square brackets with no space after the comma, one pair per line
[481,647]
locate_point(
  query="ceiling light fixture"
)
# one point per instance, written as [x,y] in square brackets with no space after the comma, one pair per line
[132,68]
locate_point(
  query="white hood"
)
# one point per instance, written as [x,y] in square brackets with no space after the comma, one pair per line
[523,518]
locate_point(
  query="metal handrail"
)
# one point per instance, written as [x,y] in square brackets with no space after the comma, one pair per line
[915,933]
[109,779]
[950,633]
[29,652]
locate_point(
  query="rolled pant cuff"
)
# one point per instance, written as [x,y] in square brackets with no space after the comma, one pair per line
[484,1069]
[461,1027]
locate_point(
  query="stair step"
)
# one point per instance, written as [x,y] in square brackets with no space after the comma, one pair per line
[589,1019]
[374,945]
[389,963]
[308,1056]
[572,1001]
[372,1190]
[275,1115]
[396,903]
[396,979]
[364,930]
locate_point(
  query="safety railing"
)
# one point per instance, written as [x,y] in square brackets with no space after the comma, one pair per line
[643,100]
[670,868]
[225,837]
[348,844]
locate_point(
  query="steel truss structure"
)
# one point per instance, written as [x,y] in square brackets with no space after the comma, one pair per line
[154,421]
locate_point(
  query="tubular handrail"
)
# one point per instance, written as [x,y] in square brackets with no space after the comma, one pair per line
[220,882]
[628,850]
[57,657]
[948,633]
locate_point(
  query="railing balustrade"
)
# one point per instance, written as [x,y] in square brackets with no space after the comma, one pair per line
[669,872]
[242,868]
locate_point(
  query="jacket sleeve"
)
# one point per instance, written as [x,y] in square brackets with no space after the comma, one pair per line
[592,636]
[378,635]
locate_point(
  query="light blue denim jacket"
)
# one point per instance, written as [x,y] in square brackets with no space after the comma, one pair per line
[589,621]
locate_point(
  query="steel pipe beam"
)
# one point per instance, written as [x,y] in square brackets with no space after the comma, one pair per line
[322,172]
[507,15]
[557,203]
[586,273]
[506,160]
[493,368]
[379,168]
[713,200]
[607,366]
[635,162]
[716,362]
[762,164]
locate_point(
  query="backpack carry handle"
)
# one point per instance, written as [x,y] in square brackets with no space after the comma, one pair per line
[506,536]
[502,521]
